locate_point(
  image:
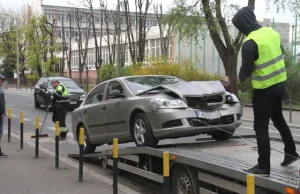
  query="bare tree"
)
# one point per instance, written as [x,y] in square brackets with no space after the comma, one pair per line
[166,28]
[98,60]
[110,18]
[82,37]
[137,36]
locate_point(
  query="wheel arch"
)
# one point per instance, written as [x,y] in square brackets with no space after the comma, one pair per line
[132,115]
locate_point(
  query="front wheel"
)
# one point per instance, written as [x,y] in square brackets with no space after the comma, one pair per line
[222,135]
[142,131]
[88,147]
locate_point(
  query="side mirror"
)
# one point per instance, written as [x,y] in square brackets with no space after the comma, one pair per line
[42,86]
[115,94]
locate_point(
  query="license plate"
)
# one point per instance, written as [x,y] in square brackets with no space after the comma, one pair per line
[208,115]
[73,102]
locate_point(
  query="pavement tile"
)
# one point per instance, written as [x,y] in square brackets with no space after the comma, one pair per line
[22,173]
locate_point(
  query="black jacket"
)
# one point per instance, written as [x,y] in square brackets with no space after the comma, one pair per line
[245,21]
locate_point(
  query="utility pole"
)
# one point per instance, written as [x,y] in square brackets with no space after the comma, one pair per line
[119,34]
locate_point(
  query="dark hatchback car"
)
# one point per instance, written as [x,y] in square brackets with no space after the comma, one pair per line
[43,90]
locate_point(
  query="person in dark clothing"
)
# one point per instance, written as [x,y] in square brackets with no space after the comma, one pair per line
[2,113]
[262,60]
[60,103]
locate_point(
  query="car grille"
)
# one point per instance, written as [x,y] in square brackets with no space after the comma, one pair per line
[74,97]
[200,122]
[205,102]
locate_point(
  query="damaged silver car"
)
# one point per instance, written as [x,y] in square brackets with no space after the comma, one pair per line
[146,109]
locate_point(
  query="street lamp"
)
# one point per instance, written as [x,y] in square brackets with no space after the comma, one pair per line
[18,65]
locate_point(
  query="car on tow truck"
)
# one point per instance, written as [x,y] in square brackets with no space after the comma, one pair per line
[146,109]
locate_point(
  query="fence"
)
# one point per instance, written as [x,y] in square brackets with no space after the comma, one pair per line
[289,104]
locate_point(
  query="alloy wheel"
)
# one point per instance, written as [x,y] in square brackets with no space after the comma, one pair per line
[140,131]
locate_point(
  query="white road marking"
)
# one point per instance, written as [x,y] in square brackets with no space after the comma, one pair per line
[17,116]
[269,130]
[39,123]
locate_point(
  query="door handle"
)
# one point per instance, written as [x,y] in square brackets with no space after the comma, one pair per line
[104,107]
[85,111]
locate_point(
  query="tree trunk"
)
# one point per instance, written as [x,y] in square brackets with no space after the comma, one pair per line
[230,66]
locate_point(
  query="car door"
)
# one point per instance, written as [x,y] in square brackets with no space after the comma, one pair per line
[92,113]
[115,113]
[40,91]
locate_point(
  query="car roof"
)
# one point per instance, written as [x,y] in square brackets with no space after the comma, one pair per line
[56,77]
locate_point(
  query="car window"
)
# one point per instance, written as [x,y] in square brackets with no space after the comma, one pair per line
[114,85]
[96,95]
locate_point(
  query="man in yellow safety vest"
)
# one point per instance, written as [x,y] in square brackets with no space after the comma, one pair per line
[262,60]
[60,104]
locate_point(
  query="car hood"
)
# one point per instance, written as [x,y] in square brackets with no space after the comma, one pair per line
[193,88]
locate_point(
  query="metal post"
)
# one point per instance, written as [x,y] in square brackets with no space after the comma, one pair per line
[250,184]
[115,165]
[18,64]
[37,128]
[119,41]
[242,103]
[81,142]
[296,20]
[9,124]
[21,129]
[56,145]
[290,108]
[166,167]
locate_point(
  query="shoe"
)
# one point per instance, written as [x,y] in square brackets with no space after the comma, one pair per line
[2,155]
[258,171]
[289,159]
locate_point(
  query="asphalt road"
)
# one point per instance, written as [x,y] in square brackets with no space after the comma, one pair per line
[24,102]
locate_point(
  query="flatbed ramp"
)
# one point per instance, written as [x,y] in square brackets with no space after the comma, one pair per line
[218,163]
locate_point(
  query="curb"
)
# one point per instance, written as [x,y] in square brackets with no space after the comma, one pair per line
[251,121]
[75,165]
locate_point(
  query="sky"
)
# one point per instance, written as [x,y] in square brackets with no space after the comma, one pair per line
[260,8]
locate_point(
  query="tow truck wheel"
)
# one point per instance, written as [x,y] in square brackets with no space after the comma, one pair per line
[184,181]
[222,135]
[142,131]
[88,146]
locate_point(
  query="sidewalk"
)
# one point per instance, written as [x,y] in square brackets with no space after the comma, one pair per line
[22,173]
[248,116]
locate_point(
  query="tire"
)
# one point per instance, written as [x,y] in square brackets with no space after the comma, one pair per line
[143,136]
[88,146]
[222,135]
[184,181]
[36,103]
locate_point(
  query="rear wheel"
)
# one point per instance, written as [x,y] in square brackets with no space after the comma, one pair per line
[142,131]
[88,147]
[222,135]
[36,103]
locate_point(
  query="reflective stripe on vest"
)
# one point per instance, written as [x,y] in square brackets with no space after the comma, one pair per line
[269,67]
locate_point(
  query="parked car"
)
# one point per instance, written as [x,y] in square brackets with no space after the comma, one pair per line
[43,89]
[146,109]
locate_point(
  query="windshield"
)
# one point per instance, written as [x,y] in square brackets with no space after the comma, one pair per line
[140,84]
[66,82]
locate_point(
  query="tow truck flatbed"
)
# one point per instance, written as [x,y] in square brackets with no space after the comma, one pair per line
[213,164]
